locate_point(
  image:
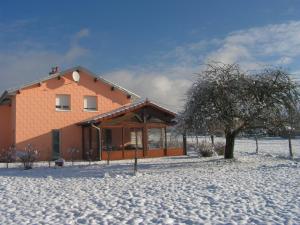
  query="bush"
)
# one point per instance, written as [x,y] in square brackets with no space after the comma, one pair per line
[205,149]
[89,155]
[220,148]
[73,151]
[28,156]
[8,155]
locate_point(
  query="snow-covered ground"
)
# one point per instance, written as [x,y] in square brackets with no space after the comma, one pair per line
[271,145]
[251,189]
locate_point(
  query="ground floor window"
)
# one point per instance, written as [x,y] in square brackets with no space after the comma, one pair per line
[156,138]
[174,139]
[133,138]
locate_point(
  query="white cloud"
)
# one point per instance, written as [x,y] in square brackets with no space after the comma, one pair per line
[167,79]
[164,87]
[85,32]
[30,61]
[253,48]
[74,53]
[272,44]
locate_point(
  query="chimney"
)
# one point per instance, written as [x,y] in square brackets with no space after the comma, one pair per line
[54,70]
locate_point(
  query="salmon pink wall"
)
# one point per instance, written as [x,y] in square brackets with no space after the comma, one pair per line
[6,130]
[36,115]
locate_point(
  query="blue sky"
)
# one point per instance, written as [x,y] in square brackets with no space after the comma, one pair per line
[152,47]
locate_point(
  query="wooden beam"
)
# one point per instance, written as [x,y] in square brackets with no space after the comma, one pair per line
[166,144]
[90,138]
[145,139]
[123,145]
[83,142]
[135,125]
[99,144]
[184,144]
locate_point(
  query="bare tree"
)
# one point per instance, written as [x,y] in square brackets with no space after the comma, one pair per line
[89,155]
[73,151]
[224,96]
[8,155]
[28,156]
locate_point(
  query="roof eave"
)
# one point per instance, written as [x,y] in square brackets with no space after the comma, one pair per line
[13,91]
[3,96]
[130,108]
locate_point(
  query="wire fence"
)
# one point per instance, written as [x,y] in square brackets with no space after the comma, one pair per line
[266,145]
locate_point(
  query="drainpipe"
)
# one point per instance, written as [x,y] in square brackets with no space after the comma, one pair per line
[100,146]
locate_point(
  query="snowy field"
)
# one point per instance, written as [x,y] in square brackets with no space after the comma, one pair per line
[269,145]
[251,189]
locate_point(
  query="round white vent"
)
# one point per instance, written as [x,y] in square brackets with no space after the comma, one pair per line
[76,76]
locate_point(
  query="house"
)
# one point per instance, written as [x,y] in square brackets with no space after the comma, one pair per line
[77,109]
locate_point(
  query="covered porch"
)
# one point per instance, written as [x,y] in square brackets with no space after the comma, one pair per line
[143,129]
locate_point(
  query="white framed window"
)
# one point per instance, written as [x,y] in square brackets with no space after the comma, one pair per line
[62,103]
[90,103]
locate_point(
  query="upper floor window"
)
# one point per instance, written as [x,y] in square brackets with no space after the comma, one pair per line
[62,102]
[90,103]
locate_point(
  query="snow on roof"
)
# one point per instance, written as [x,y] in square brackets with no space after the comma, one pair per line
[125,109]
[13,91]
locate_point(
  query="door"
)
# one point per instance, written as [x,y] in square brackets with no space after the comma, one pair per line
[55,144]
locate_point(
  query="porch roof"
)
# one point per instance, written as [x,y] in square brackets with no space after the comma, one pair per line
[133,107]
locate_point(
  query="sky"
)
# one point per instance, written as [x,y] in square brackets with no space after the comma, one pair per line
[153,48]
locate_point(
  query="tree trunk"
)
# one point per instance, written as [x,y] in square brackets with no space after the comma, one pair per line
[256,142]
[229,146]
[290,146]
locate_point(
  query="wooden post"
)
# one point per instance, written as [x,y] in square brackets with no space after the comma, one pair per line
[145,140]
[83,142]
[100,144]
[108,154]
[166,145]
[90,137]
[145,134]
[135,153]
[290,146]
[212,140]
[123,145]
[184,143]
[256,143]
